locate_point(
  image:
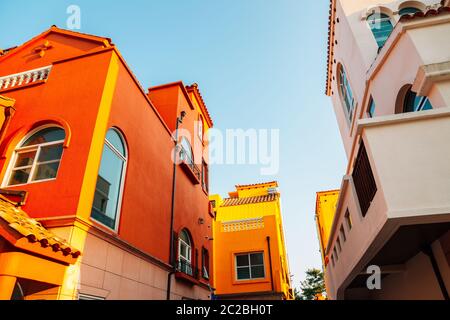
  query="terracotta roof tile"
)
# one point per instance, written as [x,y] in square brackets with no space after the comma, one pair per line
[249,200]
[429,13]
[194,88]
[255,184]
[29,228]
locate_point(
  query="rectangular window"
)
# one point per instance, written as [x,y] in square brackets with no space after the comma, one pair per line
[250,266]
[348,220]
[205,177]
[335,254]
[205,263]
[338,243]
[364,180]
[371,108]
[342,234]
[332,260]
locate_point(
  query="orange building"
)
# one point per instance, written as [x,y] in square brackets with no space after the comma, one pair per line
[93,151]
[250,258]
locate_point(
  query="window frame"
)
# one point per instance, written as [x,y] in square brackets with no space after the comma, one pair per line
[411,96]
[383,17]
[408,8]
[348,220]
[205,264]
[122,178]
[37,148]
[189,250]
[200,128]
[371,107]
[346,88]
[249,266]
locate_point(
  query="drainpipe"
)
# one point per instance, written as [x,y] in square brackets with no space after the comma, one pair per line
[270,264]
[172,212]
[427,250]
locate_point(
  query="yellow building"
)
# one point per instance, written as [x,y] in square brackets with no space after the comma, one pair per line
[250,259]
[325,209]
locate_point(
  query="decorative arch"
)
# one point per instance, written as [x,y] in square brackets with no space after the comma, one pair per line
[412,4]
[380,9]
[14,138]
[400,101]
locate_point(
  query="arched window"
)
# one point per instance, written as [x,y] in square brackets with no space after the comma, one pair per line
[346,92]
[408,10]
[381,26]
[413,102]
[186,151]
[110,180]
[38,157]
[185,253]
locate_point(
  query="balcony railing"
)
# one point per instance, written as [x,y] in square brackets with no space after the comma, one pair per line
[186,268]
[189,162]
[243,225]
[24,78]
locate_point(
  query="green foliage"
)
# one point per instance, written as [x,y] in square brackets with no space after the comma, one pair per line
[312,286]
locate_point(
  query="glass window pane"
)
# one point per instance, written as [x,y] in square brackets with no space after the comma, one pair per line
[25,159]
[44,136]
[381,27]
[110,174]
[114,138]
[257,272]
[257,258]
[46,171]
[187,151]
[50,153]
[243,273]
[427,105]
[409,10]
[242,260]
[19,176]
[185,237]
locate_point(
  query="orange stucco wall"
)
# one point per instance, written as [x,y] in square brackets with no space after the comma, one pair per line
[249,241]
[69,98]
[88,95]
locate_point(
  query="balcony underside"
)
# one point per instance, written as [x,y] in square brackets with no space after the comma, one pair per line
[405,243]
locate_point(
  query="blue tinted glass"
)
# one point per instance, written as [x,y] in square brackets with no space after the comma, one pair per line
[427,105]
[409,10]
[110,178]
[381,27]
[372,108]
[114,138]
[44,136]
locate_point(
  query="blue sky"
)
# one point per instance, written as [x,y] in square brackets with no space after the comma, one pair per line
[259,64]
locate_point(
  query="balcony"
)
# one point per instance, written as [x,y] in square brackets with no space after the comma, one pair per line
[25,78]
[186,272]
[398,196]
[189,167]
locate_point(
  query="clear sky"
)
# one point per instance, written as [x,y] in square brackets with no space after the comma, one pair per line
[259,64]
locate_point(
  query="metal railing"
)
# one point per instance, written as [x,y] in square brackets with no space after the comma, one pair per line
[187,268]
[184,156]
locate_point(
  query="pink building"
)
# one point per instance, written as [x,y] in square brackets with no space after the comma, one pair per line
[389,80]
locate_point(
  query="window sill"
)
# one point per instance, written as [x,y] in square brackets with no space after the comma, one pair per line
[254,281]
[194,177]
[185,277]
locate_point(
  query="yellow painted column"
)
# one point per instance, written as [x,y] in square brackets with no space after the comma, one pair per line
[7,284]
[69,288]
